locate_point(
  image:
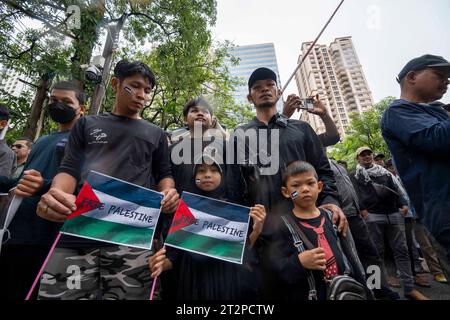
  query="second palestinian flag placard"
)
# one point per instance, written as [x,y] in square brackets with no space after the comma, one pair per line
[210,227]
[115,211]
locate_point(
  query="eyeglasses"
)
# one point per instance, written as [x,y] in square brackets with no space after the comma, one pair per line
[17,146]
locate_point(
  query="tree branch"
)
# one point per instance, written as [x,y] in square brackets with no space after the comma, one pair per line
[18,56]
[54,6]
[6,16]
[32,15]
[159,23]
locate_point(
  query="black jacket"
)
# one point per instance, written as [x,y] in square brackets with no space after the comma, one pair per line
[418,137]
[297,141]
[369,199]
[347,194]
[292,276]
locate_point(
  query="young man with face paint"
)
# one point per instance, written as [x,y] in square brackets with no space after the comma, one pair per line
[122,145]
[418,136]
[30,235]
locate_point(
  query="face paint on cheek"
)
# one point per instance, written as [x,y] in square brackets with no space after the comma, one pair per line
[198,181]
[127,89]
[294,195]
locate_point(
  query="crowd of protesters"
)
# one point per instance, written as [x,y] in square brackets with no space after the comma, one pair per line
[343,220]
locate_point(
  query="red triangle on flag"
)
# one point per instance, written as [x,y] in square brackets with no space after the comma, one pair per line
[183,217]
[86,201]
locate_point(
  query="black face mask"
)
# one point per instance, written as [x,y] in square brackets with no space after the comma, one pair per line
[61,112]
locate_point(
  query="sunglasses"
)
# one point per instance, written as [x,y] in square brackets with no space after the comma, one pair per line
[17,146]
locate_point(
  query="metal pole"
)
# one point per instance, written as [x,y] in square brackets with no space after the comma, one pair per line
[112,39]
[312,46]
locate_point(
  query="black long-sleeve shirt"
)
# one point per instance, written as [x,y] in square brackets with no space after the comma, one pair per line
[297,141]
[286,264]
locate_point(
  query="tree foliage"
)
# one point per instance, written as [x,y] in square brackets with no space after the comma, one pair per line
[173,36]
[364,130]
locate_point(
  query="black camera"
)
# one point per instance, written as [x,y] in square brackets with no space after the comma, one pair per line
[307,104]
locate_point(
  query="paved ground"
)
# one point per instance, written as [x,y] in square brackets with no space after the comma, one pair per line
[438,291]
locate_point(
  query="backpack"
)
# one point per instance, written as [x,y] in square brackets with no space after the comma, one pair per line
[341,287]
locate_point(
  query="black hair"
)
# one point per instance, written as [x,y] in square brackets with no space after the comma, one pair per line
[295,168]
[71,86]
[4,112]
[125,69]
[200,101]
[29,142]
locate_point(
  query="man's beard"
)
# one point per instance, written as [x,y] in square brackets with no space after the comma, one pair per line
[266,105]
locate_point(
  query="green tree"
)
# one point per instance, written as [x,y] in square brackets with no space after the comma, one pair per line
[187,64]
[177,33]
[53,51]
[364,130]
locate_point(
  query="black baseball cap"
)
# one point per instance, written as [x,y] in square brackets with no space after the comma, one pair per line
[423,62]
[261,74]
[379,156]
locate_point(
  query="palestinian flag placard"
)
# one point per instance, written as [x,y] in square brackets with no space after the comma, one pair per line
[210,227]
[114,211]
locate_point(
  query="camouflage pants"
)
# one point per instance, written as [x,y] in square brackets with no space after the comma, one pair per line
[110,273]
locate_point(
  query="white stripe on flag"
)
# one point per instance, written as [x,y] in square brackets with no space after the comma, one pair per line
[123,212]
[206,222]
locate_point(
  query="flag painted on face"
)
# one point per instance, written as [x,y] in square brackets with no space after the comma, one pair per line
[114,211]
[210,227]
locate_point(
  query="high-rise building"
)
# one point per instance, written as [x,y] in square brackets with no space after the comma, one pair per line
[10,82]
[335,73]
[250,58]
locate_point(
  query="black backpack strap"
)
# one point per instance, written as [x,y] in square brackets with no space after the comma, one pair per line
[298,243]
[300,232]
[347,270]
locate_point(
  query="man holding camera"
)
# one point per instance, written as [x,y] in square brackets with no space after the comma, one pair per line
[296,141]
[331,135]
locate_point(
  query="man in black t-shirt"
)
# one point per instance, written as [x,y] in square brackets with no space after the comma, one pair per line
[122,145]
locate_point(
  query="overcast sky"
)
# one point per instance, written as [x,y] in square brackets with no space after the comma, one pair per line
[385,33]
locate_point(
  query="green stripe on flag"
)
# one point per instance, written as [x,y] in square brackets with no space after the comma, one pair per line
[226,250]
[109,231]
